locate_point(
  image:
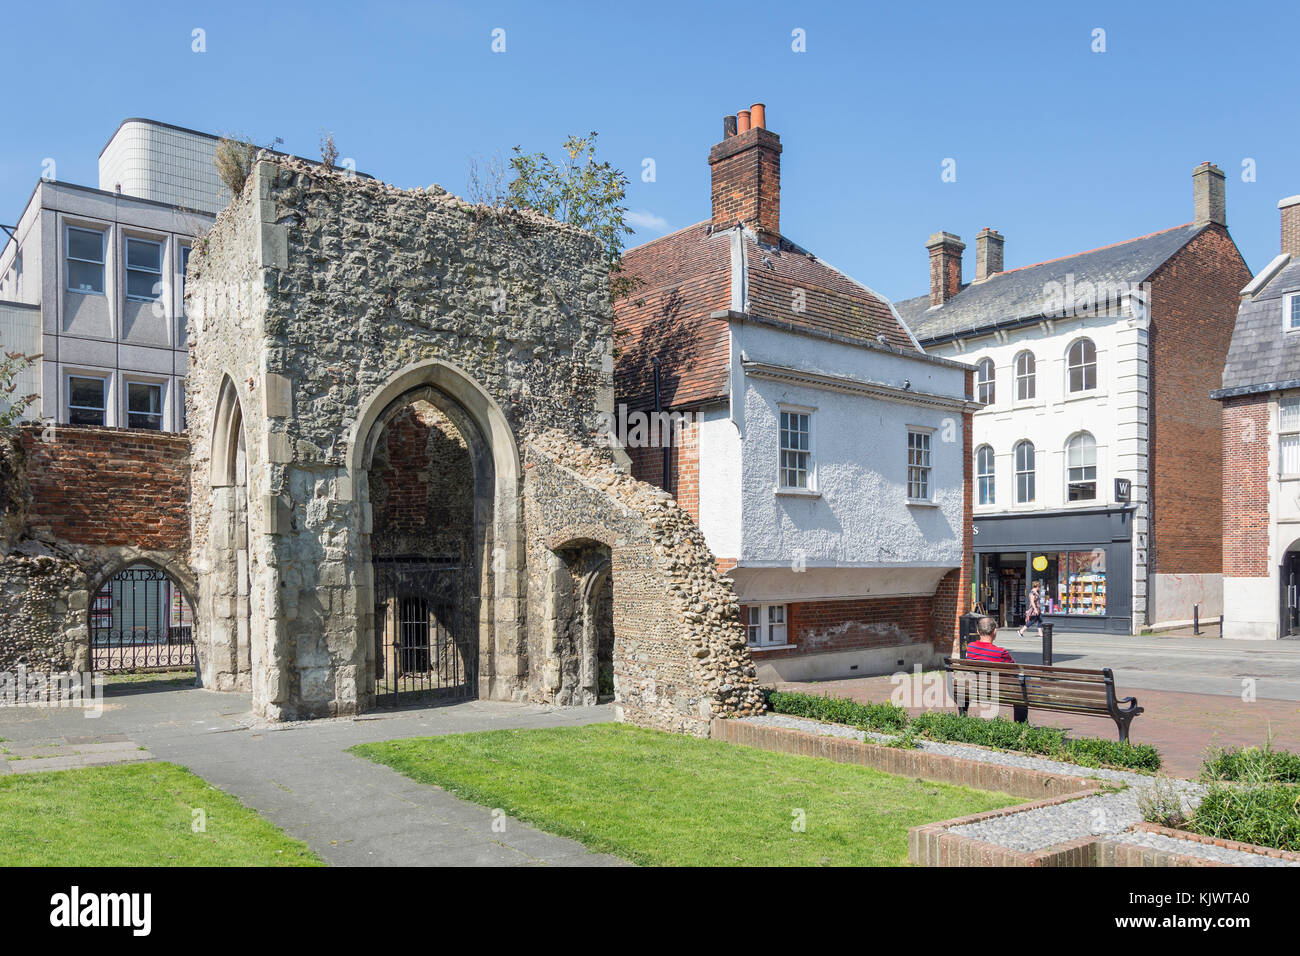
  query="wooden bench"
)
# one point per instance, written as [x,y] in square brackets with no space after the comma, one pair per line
[1069,690]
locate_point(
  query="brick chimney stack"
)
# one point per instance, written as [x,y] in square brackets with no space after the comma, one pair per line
[746,173]
[945,266]
[1290,225]
[1207,191]
[988,253]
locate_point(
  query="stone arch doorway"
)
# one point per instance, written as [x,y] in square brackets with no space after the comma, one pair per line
[442,589]
[227,658]
[140,615]
[582,624]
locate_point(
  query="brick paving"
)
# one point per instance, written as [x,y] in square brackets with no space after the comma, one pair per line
[1181,725]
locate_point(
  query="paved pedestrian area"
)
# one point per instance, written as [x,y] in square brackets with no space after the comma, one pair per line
[350,811]
[1191,689]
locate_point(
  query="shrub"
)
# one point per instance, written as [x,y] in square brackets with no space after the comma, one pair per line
[1113,753]
[1267,815]
[234,161]
[1162,804]
[1261,765]
[998,732]
[882,718]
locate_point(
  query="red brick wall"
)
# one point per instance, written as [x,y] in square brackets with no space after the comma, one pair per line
[422,487]
[1245,486]
[683,467]
[1194,308]
[110,486]
[746,182]
[817,626]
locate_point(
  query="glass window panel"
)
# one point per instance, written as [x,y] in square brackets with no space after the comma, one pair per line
[144,406]
[143,285]
[1290,454]
[142,254]
[86,244]
[1290,407]
[85,276]
[85,401]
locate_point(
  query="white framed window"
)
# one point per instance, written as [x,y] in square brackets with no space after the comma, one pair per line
[918,464]
[985,381]
[1026,377]
[185,266]
[1025,472]
[765,625]
[984,474]
[144,405]
[143,269]
[1291,311]
[87,400]
[796,464]
[1081,366]
[85,260]
[1289,434]
[1081,467]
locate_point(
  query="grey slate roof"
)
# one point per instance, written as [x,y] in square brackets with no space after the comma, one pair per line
[1262,355]
[1020,294]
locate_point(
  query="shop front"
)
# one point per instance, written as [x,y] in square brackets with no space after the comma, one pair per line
[1082,562]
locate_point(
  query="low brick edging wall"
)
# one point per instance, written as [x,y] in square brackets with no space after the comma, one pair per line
[939,768]
[1216,841]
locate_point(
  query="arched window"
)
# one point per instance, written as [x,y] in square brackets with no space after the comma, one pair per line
[1026,377]
[1081,364]
[984,474]
[985,384]
[1081,467]
[1025,472]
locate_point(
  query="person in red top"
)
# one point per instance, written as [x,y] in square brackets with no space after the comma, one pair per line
[983,648]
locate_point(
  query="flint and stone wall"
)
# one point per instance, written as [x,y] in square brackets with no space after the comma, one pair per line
[320,307]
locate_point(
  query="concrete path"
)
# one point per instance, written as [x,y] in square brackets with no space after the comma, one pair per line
[350,811]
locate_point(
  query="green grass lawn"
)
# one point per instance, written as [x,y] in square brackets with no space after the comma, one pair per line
[668,799]
[134,815]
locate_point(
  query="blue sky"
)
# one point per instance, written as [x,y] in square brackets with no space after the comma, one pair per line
[1059,148]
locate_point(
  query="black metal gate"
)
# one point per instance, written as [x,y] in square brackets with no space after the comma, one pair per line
[426,634]
[140,620]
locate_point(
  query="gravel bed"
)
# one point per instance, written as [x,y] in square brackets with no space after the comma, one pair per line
[1110,814]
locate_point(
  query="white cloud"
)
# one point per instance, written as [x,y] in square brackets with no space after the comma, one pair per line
[644,219]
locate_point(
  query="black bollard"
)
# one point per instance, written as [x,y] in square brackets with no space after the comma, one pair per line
[1047,644]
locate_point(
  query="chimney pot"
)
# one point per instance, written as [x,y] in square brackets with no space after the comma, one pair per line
[742,121]
[945,266]
[758,116]
[988,253]
[1208,195]
[1290,225]
[728,126]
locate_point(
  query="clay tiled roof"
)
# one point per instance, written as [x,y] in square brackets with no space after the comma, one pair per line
[832,302]
[686,277]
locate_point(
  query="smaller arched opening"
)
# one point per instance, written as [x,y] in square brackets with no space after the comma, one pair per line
[582,623]
[225,613]
[141,617]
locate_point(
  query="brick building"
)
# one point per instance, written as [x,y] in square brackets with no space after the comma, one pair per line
[1097,457]
[791,411]
[1260,395]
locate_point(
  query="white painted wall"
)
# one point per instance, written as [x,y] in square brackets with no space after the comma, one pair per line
[856,535]
[720,481]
